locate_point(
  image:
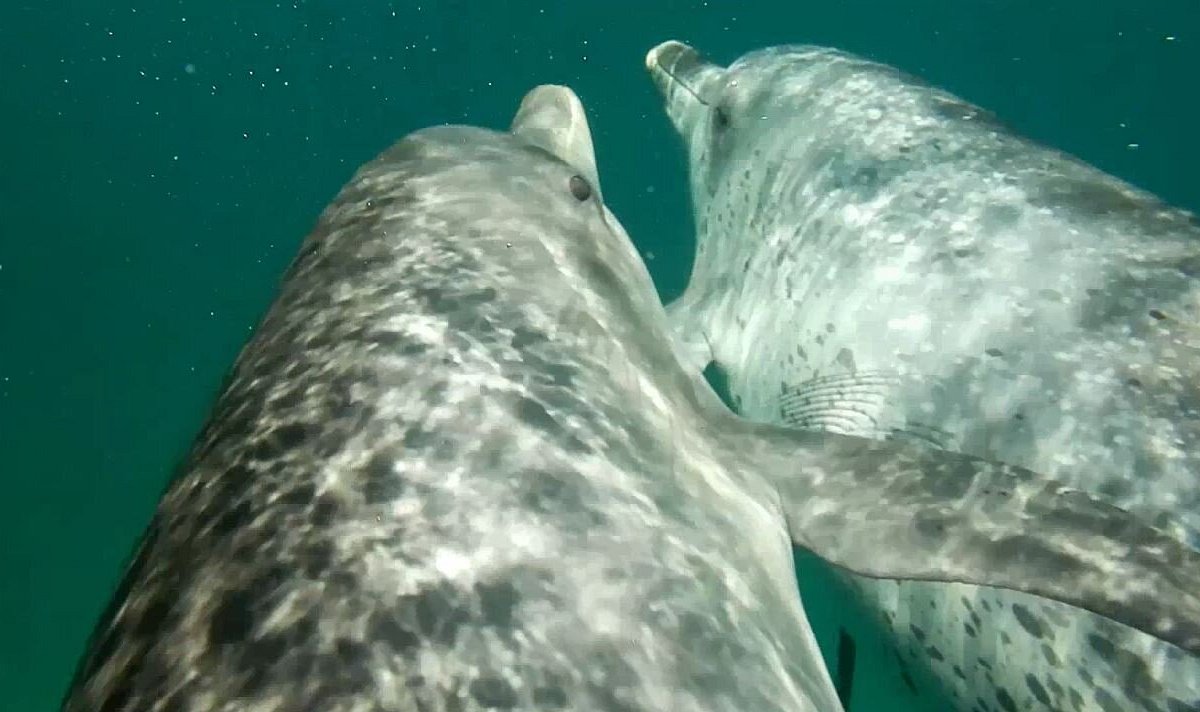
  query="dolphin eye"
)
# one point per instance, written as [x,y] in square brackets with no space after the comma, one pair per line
[580,188]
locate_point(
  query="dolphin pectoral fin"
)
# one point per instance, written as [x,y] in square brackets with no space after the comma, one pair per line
[693,350]
[902,511]
[855,404]
[688,336]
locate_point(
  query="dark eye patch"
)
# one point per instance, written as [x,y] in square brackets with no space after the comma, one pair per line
[580,188]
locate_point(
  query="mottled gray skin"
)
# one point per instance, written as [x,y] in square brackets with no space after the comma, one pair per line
[446,474]
[459,467]
[881,258]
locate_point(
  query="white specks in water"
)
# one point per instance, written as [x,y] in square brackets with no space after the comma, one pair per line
[189,68]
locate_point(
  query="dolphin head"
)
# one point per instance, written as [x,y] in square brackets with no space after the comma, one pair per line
[724,113]
[519,209]
[741,125]
[530,195]
[691,86]
[552,117]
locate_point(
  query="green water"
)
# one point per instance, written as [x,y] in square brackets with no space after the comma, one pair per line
[161,161]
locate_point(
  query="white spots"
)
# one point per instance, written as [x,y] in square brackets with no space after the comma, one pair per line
[1164,447]
[915,323]
[406,507]
[854,215]
[891,273]
[1064,459]
[451,564]
[189,68]
[424,328]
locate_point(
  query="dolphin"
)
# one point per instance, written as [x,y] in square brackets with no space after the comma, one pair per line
[878,257]
[459,466]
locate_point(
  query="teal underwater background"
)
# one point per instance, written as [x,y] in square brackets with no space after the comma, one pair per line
[160,163]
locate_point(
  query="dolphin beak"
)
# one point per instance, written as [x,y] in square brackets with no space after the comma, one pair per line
[683,77]
[552,117]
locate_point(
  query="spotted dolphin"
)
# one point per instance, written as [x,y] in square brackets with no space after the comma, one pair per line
[879,257]
[459,466]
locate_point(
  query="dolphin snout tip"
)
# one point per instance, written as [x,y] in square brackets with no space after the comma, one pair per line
[550,107]
[552,98]
[666,54]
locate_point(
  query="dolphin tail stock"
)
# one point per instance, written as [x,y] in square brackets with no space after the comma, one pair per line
[897,510]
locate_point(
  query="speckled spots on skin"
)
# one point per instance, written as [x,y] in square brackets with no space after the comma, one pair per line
[1051,656]
[493,693]
[1005,700]
[1055,689]
[1178,705]
[535,415]
[550,697]
[1106,701]
[1031,622]
[1037,689]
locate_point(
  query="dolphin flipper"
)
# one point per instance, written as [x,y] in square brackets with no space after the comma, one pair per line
[692,347]
[902,511]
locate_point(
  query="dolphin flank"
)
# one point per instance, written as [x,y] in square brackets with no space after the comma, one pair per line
[878,257]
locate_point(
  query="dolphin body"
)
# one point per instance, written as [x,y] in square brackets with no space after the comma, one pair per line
[460,467]
[878,257]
